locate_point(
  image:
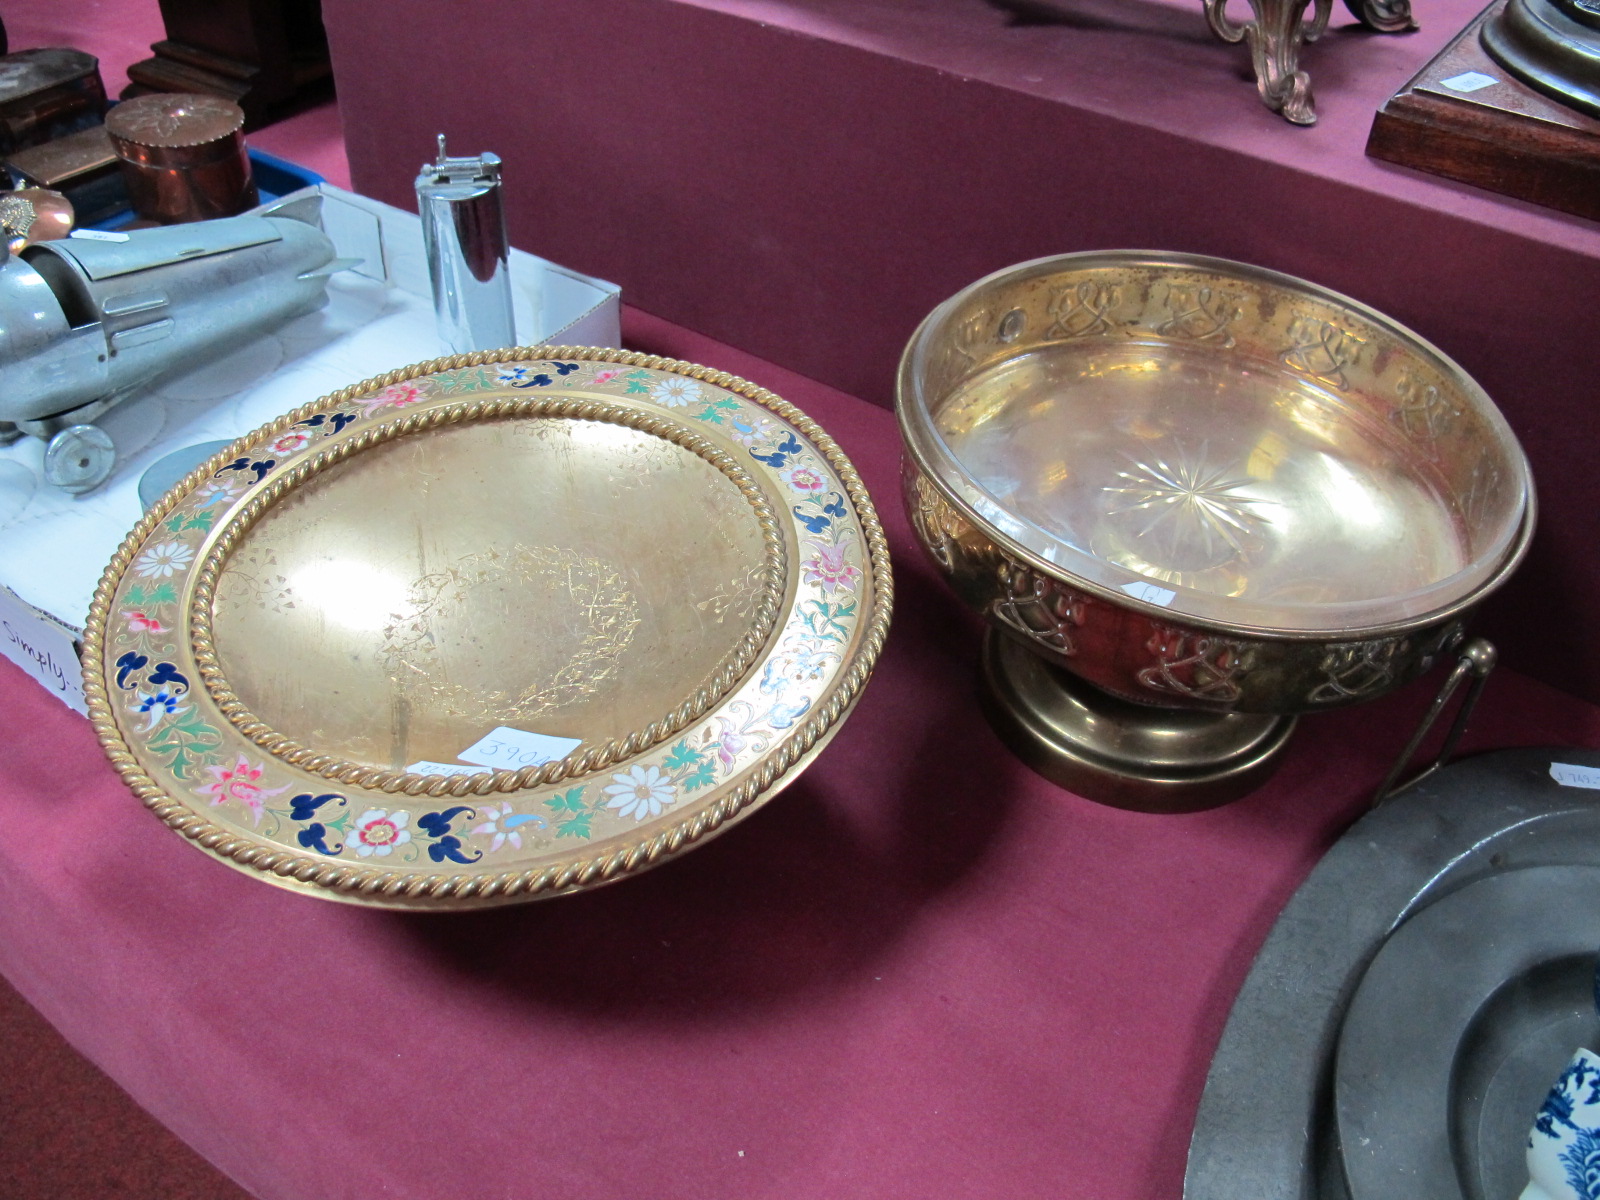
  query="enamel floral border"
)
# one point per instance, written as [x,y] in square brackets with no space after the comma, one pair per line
[465,841]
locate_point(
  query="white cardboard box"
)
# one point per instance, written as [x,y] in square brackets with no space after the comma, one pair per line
[54,546]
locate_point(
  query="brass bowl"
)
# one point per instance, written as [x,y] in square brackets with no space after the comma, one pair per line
[672,571]
[1218,495]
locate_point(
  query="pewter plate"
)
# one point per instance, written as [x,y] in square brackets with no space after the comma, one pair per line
[672,569]
[1266,1127]
[1461,1024]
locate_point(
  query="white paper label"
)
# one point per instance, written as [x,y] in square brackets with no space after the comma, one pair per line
[43,648]
[424,767]
[1150,593]
[98,235]
[1572,775]
[1468,81]
[512,749]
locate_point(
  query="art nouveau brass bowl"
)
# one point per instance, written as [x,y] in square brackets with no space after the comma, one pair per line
[1217,495]
[672,569]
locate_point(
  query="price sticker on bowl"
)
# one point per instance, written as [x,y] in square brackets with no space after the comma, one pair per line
[1150,593]
[507,749]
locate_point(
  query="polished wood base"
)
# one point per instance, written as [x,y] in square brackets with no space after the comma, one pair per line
[1504,136]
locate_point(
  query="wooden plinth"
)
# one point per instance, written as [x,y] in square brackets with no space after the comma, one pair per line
[1504,137]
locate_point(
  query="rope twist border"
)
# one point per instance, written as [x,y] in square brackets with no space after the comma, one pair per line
[585,759]
[402,889]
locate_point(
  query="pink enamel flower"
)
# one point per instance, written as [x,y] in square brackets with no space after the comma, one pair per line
[239,784]
[140,622]
[729,745]
[379,832]
[606,376]
[288,443]
[395,396]
[828,567]
[803,479]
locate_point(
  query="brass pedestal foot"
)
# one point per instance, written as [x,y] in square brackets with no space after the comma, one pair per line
[1114,752]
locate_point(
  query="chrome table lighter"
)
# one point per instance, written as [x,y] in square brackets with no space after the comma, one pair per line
[464,234]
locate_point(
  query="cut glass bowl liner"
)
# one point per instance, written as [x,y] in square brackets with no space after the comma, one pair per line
[1195,499]
[1258,351]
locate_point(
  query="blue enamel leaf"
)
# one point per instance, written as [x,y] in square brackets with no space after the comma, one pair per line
[339,419]
[780,456]
[564,368]
[304,806]
[259,469]
[165,672]
[812,524]
[437,824]
[127,665]
[784,715]
[450,847]
[835,506]
[314,837]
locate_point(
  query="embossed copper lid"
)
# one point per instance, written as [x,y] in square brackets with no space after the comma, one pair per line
[319,656]
[176,129]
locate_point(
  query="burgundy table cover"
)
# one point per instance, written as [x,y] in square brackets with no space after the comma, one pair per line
[921,971]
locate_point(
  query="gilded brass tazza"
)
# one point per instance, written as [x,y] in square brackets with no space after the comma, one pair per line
[1195,498]
[295,656]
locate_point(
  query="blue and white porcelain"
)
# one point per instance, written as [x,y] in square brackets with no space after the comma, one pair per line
[1564,1144]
